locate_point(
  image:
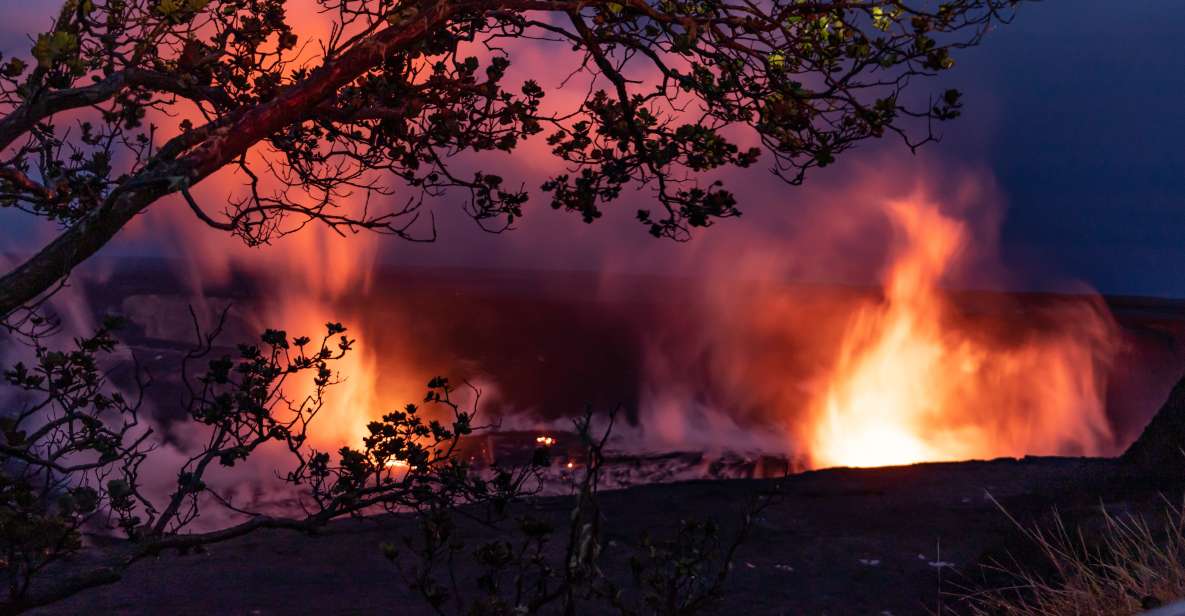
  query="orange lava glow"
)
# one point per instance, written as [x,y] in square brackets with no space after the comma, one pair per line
[911,383]
[848,382]
[309,278]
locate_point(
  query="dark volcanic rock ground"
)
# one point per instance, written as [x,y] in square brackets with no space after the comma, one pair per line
[840,541]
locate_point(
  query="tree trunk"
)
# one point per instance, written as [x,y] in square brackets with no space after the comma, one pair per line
[73,246]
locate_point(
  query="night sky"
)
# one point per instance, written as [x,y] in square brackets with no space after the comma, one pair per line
[1075,113]
[1085,135]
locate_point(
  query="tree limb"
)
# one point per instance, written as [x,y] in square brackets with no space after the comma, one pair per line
[85,237]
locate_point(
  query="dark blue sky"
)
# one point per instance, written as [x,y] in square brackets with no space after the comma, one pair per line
[1086,138]
[1077,109]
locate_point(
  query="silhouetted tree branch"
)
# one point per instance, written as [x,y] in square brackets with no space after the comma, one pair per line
[73,447]
[528,564]
[122,103]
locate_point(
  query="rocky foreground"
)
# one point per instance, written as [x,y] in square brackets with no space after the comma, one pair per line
[901,540]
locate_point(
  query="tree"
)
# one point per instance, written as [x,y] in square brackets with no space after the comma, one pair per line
[72,448]
[122,104]
[397,92]
[530,563]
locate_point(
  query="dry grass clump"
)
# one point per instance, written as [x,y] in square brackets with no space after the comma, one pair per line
[1126,567]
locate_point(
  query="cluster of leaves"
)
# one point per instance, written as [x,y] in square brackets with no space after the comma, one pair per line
[409,462]
[73,446]
[808,80]
[534,564]
[109,58]
[35,531]
[242,403]
[124,102]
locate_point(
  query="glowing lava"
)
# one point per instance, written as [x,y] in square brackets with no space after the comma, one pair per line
[914,383]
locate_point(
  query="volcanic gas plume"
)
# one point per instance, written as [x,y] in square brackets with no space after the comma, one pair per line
[913,383]
[829,375]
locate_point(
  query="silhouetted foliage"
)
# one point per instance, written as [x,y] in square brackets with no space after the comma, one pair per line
[530,564]
[122,102]
[74,447]
[70,452]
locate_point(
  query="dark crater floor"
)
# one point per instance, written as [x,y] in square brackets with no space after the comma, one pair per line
[900,540]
